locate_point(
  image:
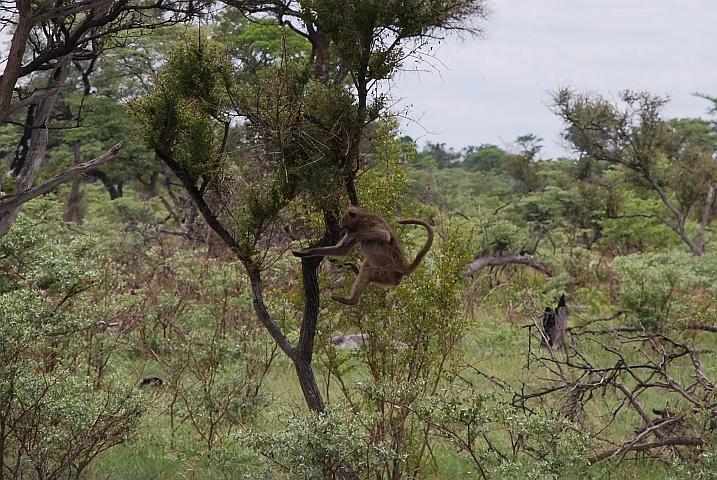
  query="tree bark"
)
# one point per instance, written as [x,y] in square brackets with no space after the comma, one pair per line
[38,141]
[72,212]
[709,199]
[14,58]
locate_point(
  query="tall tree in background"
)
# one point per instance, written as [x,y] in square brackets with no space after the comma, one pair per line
[673,160]
[523,165]
[309,119]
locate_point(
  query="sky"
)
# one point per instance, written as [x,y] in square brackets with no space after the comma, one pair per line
[494,89]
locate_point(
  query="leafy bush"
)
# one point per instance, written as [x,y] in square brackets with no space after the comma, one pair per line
[661,289]
[61,407]
[329,445]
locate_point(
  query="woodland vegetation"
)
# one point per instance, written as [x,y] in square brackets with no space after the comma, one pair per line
[160,162]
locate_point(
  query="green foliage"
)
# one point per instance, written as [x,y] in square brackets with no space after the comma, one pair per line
[272,129]
[550,206]
[383,179]
[485,158]
[328,445]
[703,469]
[259,43]
[483,425]
[436,155]
[502,238]
[189,321]
[670,161]
[61,407]
[633,232]
[309,122]
[455,190]
[659,288]
[363,33]
[103,122]
[184,114]
[524,166]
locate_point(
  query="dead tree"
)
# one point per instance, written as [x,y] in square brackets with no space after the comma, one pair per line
[620,370]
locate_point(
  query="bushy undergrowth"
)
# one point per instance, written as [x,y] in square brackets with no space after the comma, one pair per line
[434,388]
[662,290]
[61,399]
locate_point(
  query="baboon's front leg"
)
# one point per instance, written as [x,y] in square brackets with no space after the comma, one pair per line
[340,250]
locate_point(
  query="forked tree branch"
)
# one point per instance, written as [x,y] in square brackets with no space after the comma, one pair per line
[14,200]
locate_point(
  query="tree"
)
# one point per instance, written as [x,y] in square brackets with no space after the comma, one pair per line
[438,155]
[485,158]
[664,158]
[308,127]
[523,166]
[53,37]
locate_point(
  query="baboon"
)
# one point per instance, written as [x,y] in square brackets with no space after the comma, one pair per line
[384,262]
[555,322]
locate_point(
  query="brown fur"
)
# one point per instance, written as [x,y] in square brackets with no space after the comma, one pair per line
[384,261]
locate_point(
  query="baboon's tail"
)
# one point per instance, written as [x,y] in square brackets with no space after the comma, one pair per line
[414,221]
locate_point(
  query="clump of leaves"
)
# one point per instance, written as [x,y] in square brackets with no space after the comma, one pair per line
[60,407]
[183,114]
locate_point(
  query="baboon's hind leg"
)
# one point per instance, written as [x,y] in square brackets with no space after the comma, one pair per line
[359,285]
[385,277]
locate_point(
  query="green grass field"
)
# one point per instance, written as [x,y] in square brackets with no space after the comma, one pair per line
[492,348]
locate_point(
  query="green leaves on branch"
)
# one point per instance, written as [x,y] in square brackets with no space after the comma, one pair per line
[305,129]
[327,445]
[184,115]
[366,33]
[671,161]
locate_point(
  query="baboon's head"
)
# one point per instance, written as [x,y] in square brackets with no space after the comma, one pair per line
[351,218]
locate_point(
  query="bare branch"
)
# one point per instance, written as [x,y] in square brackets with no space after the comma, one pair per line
[644,447]
[482,262]
[702,326]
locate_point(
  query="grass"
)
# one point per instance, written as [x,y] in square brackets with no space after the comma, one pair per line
[493,347]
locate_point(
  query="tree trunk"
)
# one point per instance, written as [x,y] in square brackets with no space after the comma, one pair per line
[13,62]
[23,148]
[304,351]
[38,141]
[301,356]
[709,200]
[309,387]
[72,213]
[102,176]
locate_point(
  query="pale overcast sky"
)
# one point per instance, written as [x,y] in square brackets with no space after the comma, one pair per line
[492,90]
